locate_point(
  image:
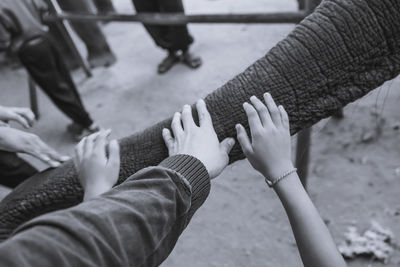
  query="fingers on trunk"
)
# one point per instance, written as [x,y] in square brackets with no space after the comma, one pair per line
[168,140]
[244,140]
[273,109]
[187,118]
[114,154]
[204,115]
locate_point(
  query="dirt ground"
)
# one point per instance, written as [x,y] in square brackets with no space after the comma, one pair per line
[355,162]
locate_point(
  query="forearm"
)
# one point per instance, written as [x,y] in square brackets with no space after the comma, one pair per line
[135,224]
[316,246]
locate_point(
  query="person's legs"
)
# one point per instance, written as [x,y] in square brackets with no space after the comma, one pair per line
[14,170]
[104,6]
[177,38]
[158,33]
[70,59]
[45,65]
[99,52]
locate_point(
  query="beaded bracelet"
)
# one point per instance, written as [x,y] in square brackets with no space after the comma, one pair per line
[285,174]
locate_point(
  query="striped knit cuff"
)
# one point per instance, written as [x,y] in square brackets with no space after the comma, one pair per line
[195,173]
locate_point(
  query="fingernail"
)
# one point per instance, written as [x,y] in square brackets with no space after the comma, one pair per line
[252,97]
[231,141]
[65,158]
[54,164]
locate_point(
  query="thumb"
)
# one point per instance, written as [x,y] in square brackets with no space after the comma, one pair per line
[227,145]
[114,155]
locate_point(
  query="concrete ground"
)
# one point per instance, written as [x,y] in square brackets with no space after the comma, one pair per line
[353,178]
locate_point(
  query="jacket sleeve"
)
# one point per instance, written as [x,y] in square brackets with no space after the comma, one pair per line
[135,224]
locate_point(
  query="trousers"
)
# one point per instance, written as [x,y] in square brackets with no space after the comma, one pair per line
[47,68]
[172,38]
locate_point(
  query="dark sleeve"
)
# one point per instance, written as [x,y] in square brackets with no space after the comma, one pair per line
[135,224]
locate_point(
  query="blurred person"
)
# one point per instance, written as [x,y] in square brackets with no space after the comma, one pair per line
[13,169]
[21,30]
[174,39]
[99,51]
[138,222]
[269,152]
[105,6]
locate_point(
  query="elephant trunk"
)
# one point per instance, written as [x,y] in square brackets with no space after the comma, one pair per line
[336,55]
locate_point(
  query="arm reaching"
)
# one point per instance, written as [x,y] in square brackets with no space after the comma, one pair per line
[13,140]
[97,171]
[136,223]
[269,152]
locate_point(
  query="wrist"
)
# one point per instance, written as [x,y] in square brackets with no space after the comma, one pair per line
[94,190]
[278,170]
[290,184]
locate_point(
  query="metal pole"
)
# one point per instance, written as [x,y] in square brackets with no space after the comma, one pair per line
[304,136]
[66,31]
[180,18]
[33,97]
[303,154]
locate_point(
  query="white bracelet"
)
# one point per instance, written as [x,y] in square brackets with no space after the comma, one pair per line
[275,181]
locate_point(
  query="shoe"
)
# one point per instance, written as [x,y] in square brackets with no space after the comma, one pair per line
[104,60]
[78,132]
[190,60]
[168,63]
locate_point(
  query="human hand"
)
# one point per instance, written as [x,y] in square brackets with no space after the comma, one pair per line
[23,116]
[269,151]
[13,140]
[200,142]
[97,173]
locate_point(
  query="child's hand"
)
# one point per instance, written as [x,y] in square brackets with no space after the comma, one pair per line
[23,116]
[97,173]
[200,141]
[13,140]
[270,149]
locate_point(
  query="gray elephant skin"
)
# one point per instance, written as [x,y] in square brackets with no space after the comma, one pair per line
[343,50]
